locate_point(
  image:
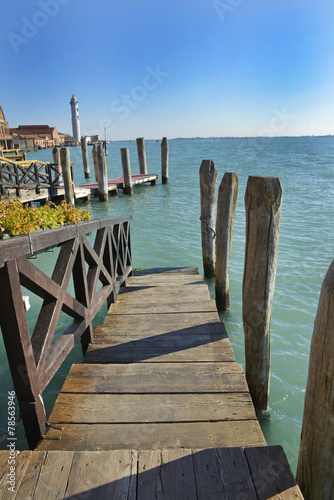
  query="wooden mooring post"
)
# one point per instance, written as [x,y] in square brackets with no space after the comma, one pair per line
[56,160]
[208,177]
[263,201]
[102,173]
[85,160]
[164,160]
[141,155]
[226,210]
[128,189]
[315,470]
[96,168]
[67,177]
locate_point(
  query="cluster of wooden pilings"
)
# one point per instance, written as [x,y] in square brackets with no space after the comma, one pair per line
[62,159]
[263,201]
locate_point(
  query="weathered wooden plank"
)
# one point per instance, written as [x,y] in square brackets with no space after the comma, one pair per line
[149,378]
[154,436]
[270,470]
[54,475]
[164,294]
[141,408]
[31,475]
[166,474]
[181,322]
[164,307]
[172,340]
[21,464]
[128,332]
[103,474]
[135,352]
[167,271]
[223,473]
[162,280]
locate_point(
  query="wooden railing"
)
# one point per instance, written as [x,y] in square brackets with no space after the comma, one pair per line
[34,360]
[27,175]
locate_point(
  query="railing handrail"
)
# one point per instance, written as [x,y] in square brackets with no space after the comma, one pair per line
[28,244]
[34,359]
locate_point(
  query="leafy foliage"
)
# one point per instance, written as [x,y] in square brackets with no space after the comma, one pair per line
[15,218]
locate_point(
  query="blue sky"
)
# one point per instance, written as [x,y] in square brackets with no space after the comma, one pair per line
[170,68]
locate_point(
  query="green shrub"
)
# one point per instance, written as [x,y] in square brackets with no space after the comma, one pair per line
[15,218]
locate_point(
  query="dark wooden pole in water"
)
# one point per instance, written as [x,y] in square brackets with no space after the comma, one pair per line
[56,160]
[67,178]
[96,168]
[315,472]
[226,210]
[128,189]
[141,155]
[102,173]
[164,160]
[263,201]
[85,160]
[208,177]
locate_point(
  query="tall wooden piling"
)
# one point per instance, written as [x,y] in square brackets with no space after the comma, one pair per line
[141,155]
[263,201]
[208,177]
[315,471]
[96,168]
[102,173]
[226,211]
[128,189]
[85,160]
[56,160]
[67,178]
[164,160]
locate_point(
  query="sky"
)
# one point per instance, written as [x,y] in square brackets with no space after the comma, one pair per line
[176,68]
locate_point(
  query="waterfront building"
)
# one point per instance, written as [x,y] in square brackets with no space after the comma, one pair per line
[45,136]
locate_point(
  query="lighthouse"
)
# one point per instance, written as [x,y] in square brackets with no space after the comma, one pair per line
[75,119]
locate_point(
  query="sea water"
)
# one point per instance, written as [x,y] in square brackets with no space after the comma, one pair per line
[165,231]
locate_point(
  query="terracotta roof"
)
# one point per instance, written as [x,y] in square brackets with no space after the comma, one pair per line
[33,129]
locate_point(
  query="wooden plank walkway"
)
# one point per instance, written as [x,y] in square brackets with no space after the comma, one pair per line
[159,409]
[160,373]
[211,474]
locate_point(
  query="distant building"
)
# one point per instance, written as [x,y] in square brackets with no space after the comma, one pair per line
[92,139]
[6,138]
[45,136]
[75,119]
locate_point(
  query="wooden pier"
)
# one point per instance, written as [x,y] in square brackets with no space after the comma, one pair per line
[159,408]
[114,185]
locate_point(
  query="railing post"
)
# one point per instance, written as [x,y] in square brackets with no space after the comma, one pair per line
[103,176]
[128,189]
[208,177]
[263,201]
[20,356]
[226,210]
[141,155]
[67,178]
[315,474]
[164,160]
[85,160]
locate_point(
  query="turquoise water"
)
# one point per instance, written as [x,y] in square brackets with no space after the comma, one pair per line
[166,232]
